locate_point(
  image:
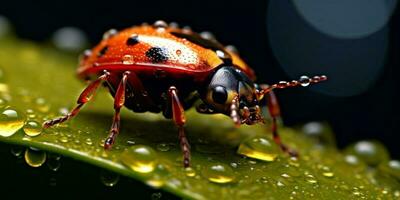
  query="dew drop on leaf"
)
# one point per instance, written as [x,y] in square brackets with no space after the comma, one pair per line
[140,158]
[219,173]
[259,148]
[32,128]
[10,122]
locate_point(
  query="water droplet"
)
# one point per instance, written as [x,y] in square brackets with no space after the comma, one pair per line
[34,158]
[17,151]
[108,178]
[178,52]
[30,113]
[156,196]
[285,175]
[259,148]
[88,141]
[108,34]
[53,164]
[190,172]
[280,184]
[32,128]
[63,111]
[294,161]
[10,122]
[42,105]
[160,24]
[234,165]
[163,147]
[63,139]
[219,173]
[127,60]
[207,35]
[371,152]
[392,168]
[352,160]
[304,81]
[311,179]
[140,158]
[319,132]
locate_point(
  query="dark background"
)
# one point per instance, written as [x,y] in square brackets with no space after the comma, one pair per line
[368,115]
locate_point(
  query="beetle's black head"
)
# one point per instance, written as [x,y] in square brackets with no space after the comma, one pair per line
[231,92]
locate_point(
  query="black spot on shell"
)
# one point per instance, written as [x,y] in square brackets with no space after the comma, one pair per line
[157,54]
[132,40]
[102,51]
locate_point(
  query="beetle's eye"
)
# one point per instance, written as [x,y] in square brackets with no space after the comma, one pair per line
[219,94]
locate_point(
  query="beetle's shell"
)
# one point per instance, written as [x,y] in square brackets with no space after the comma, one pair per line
[165,48]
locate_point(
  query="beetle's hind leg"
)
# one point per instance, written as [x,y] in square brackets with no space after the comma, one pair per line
[178,115]
[274,111]
[119,101]
[84,97]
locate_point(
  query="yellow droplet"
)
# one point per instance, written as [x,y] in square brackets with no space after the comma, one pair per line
[259,148]
[88,141]
[34,158]
[219,173]
[328,174]
[190,172]
[140,158]
[42,105]
[127,60]
[32,128]
[64,139]
[10,122]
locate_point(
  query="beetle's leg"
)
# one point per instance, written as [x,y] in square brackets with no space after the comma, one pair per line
[274,111]
[178,115]
[85,97]
[119,101]
[303,81]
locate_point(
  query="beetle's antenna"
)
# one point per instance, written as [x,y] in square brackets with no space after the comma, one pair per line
[235,111]
[303,81]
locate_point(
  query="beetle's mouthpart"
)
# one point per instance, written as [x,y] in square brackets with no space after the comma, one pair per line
[251,115]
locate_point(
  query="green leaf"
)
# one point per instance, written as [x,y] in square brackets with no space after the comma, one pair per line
[38,83]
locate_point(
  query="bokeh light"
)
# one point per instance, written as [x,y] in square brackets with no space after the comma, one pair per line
[346,18]
[352,64]
[4,26]
[70,39]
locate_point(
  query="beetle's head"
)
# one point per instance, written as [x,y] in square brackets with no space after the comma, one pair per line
[231,92]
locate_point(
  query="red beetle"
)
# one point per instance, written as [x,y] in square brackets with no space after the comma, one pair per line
[164,68]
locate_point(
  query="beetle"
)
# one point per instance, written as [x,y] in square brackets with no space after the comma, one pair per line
[164,68]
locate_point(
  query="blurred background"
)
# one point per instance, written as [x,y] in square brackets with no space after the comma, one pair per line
[354,42]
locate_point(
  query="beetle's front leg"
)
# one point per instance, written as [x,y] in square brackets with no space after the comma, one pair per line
[178,115]
[274,111]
